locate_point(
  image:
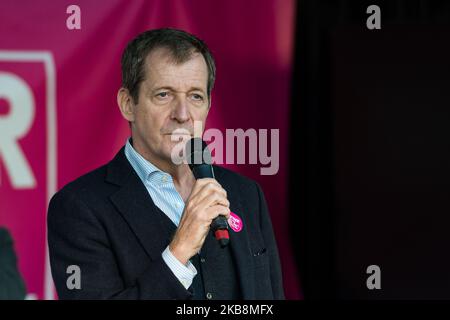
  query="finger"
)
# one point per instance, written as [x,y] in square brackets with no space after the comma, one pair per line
[211,198]
[213,187]
[207,190]
[201,183]
[214,211]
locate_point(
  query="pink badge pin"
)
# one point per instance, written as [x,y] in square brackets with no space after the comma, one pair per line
[235,222]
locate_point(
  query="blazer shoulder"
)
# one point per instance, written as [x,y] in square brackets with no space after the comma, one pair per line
[229,175]
[5,237]
[87,184]
[235,181]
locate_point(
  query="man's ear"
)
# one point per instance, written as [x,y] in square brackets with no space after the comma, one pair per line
[126,105]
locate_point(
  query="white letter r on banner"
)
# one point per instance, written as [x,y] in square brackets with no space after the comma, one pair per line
[14,126]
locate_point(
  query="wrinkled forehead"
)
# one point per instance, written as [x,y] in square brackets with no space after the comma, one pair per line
[162,68]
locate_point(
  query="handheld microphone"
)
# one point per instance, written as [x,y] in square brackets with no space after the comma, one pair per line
[199,160]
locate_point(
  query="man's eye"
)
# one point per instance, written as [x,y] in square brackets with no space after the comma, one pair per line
[197,97]
[163,94]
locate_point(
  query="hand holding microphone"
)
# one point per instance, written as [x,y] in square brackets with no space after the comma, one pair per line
[207,206]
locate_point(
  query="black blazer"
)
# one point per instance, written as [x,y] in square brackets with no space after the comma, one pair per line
[102,222]
[11,283]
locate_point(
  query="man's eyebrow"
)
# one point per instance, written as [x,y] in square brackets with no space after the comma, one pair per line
[173,89]
[196,89]
[162,87]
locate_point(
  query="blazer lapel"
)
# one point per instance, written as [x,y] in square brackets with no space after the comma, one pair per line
[137,207]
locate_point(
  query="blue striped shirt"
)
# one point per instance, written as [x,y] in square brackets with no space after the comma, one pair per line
[160,186]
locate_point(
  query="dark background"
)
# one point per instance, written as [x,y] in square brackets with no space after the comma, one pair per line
[370,149]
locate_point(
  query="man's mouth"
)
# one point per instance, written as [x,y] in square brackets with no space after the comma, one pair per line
[179,134]
[178,137]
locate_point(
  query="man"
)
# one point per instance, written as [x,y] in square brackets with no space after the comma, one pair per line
[11,283]
[139,227]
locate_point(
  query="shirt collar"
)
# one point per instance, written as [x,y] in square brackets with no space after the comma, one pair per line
[144,168]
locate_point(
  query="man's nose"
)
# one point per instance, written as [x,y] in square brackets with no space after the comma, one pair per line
[180,111]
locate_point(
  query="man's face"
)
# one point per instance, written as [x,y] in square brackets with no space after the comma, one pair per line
[172,96]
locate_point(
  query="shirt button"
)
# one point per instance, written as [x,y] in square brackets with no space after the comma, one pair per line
[202,260]
[164,179]
[209,296]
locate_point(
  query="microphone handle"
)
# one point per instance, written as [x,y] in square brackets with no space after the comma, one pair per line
[203,171]
[219,225]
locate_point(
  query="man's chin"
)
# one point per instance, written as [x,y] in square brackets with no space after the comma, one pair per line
[173,150]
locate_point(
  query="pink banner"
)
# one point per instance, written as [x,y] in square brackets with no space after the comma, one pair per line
[59,117]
